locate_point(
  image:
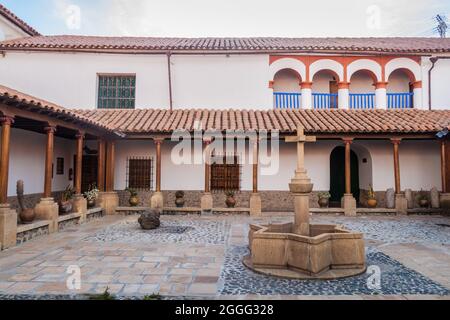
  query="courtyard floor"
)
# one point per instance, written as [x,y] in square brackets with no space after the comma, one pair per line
[200,257]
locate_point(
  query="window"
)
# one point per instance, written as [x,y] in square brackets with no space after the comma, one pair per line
[140,173]
[225,173]
[116,92]
[59,166]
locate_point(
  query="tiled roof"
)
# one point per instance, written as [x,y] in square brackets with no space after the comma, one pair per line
[12,96]
[17,21]
[150,44]
[314,121]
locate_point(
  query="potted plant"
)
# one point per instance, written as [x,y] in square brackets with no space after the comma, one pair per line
[65,204]
[324,199]
[422,199]
[371,198]
[179,199]
[134,199]
[230,201]
[26,215]
[91,196]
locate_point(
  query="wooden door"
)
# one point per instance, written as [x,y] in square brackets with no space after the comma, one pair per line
[334,89]
[89,171]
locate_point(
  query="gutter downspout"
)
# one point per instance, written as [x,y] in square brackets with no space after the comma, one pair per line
[433,62]
[169,70]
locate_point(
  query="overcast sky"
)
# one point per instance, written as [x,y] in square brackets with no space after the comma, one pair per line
[228,18]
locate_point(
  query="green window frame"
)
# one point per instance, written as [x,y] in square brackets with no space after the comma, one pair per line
[116,91]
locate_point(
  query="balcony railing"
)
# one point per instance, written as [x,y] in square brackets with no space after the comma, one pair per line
[287,100]
[325,100]
[362,100]
[400,100]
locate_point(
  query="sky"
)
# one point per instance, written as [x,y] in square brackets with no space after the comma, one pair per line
[232,18]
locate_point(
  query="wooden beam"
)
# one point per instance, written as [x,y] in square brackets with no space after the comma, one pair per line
[49,161]
[255,165]
[6,123]
[443,166]
[101,165]
[396,142]
[158,143]
[207,166]
[79,160]
[110,157]
[348,172]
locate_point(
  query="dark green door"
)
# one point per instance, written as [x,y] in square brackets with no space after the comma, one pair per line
[337,174]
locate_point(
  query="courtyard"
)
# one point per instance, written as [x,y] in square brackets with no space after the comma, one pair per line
[200,257]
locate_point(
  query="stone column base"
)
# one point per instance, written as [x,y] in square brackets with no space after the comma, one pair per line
[255,205]
[401,204]
[80,206]
[157,201]
[206,203]
[445,201]
[109,201]
[348,203]
[8,227]
[48,209]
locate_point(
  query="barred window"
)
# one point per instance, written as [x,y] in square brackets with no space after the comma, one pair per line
[225,173]
[140,173]
[116,92]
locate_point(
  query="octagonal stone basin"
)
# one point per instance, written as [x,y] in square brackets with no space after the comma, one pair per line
[330,252]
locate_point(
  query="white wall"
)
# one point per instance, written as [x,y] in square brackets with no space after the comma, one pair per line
[10,31]
[321,82]
[286,81]
[27,161]
[361,82]
[398,82]
[440,85]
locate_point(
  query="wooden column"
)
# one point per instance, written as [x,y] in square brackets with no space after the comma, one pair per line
[255,165]
[396,143]
[110,157]
[79,160]
[6,123]
[443,166]
[50,130]
[207,167]
[101,165]
[348,176]
[158,143]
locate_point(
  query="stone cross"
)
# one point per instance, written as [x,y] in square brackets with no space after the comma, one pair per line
[301,185]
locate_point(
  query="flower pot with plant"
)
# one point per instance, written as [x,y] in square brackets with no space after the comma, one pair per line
[324,199]
[91,196]
[65,203]
[230,201]
[422,199]
[26,215]
[134,199]
[179,199]
[371,198]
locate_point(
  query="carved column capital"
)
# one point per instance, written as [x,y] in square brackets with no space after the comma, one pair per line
[6,120]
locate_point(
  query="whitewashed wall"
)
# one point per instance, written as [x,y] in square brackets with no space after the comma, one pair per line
[440,85]
[27,161]
[10,31]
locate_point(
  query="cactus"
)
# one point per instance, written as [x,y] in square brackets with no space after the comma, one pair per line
[20,191]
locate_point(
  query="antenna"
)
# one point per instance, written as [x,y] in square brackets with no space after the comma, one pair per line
[442,25]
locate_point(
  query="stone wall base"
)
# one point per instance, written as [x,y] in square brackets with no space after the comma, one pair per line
[47,209]
[157,200]
[206,202]
[109,201]
[8,227]
[348,203]
[401,204]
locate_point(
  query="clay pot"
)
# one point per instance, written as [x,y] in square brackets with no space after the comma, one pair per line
[230,202]
[27,216]
[324,202]
[90,203]
[424,203]
[134,201]
[372,203]
[65,207]
[179,202]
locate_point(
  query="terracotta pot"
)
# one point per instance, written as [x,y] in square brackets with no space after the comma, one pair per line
[324,202]
[91,203]
[230,202]
[65,207]
[423,203]
[27,216]
[134,201]
[179,202]
[372,203]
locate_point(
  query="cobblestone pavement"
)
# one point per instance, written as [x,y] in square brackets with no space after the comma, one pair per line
[199,257]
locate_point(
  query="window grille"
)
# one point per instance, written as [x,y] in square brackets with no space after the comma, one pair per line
[116,92]
[225,173]
[140,173]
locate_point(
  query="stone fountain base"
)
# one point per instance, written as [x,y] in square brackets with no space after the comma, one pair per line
[329,252]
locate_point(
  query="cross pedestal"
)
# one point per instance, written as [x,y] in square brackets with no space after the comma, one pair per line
[301,185]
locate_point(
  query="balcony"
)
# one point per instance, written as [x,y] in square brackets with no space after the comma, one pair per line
[287,100]
[362,101]
[325,100]
[400,100]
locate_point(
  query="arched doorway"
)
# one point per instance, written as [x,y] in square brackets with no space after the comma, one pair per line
[337,175]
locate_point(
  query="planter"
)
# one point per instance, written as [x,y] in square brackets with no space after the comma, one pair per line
[424,203]
[134,201]
[91,204]
[324,202]
[65,207]
[230,202]
[27,216]
[179,202]
[372,203]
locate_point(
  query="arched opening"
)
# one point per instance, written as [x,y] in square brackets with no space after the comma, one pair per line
[400,91]
[325,90]
[286,89]
[362,90]
[337,175]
